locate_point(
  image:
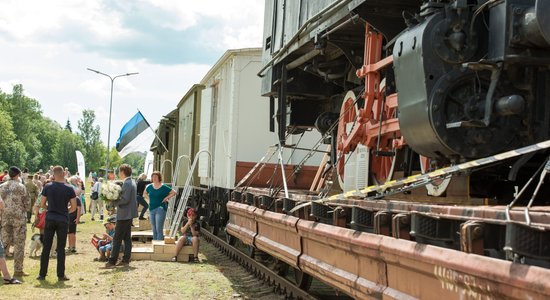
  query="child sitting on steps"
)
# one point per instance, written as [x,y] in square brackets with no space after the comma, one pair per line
[190,235]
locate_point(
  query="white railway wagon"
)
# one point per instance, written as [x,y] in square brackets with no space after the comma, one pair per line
[234,129]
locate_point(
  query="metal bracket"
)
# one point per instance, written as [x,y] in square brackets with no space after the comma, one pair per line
[382,223]
[401,226]
[471,237]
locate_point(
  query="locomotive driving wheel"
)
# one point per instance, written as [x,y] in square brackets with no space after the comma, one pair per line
[346,123]
[381,164]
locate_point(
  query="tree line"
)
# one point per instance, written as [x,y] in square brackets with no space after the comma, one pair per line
[29,139]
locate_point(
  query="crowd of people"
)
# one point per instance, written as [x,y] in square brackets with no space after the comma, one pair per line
[57,200]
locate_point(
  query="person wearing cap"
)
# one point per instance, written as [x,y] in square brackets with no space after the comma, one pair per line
[8,279]
[105,243]
[33,192]
[14,217]
[190,235]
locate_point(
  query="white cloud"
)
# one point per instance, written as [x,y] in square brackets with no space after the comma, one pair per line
[47,46]
[7,86]
[27,19]
[73,111]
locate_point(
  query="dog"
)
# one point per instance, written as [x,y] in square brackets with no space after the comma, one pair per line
[36,245]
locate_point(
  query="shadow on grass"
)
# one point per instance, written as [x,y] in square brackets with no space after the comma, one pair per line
[52,286]
[107,271]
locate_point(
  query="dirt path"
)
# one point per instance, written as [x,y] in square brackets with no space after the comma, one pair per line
[215,278]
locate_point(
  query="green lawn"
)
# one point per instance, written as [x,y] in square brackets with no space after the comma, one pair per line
[214,278]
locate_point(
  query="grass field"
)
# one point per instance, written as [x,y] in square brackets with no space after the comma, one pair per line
[213,278]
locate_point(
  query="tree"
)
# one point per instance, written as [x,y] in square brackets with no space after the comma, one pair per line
[114,159]
[136,160]
[49,133]
[68,126]
[7,137]
[24,112]
[66,152]
[28,139]
[90,134]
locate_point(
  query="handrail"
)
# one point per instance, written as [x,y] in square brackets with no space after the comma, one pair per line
[175,176]
[177,218]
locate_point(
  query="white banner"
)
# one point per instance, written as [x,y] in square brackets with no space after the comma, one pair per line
[148,168]
[81,165]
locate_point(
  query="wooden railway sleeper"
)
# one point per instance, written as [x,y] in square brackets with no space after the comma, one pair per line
[252,266]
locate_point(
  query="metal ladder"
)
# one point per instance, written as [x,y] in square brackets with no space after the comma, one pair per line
[175,187]
[176,218]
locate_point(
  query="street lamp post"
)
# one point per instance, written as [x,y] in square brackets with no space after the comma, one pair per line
[110,112]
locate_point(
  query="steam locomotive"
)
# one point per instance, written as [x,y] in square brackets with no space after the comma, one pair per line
[416,85]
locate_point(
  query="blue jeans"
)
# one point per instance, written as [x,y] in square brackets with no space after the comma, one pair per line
[157,217]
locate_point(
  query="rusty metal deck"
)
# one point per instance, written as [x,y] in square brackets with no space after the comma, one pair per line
[365,265]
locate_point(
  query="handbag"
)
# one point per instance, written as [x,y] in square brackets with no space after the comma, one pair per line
[40,220]
[94,196]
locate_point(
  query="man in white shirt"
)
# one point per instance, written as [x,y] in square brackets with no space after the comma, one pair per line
[97,204]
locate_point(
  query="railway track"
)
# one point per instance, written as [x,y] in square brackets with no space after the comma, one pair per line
[278,284]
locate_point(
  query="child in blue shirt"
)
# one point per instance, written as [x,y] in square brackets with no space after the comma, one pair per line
[105,242]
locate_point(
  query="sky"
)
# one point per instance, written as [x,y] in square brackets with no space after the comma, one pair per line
[48,45]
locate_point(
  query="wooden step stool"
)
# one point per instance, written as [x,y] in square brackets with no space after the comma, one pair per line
[142,236]
[142,225]
[159,251]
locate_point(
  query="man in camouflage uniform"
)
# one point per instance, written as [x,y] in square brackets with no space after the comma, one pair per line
[32,191]
[14,217]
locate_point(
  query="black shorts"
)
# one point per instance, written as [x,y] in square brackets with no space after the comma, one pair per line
[72,224]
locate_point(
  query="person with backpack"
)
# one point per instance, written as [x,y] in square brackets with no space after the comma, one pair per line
[97,203]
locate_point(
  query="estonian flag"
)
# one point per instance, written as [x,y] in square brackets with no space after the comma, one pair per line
[134,135]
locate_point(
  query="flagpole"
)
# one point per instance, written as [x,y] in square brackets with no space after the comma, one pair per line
[112,78]
[154,132]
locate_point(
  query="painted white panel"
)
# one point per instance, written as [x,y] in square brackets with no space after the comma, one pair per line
[204,141]
[185,132]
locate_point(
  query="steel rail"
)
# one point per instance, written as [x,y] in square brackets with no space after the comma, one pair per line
[250,264]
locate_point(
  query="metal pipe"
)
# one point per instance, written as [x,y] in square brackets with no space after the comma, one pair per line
[283,170]
[353,19]
[302,59]
[306,149]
